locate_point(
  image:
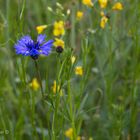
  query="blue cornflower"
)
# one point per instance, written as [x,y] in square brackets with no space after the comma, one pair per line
[28,47]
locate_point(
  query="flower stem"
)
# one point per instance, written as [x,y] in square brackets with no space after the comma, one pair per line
[39,77]
[71,109]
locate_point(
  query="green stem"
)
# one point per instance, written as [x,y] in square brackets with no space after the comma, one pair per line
[39,77]
[53,125]
[71,110]
[57,99]
[34,133]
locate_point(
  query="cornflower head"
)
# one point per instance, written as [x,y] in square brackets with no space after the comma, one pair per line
[79,15]
[34,84]
[117,6]
[41,28]
[79,70]
[59,44]
[59,28]
[28,47]
[88,3]
[103,3]
[103,22]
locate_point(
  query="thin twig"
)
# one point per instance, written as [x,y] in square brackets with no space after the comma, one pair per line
[39,77]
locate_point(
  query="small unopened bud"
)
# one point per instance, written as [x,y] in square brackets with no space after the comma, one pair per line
[50,9]
[63,15]
[68,12]
[59,49]
[59,5]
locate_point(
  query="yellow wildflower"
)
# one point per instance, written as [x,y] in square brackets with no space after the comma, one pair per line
[87,3]
[69,133]
[103,22]
[103,3]
[117,6]
[34,84]
[78,138]
[79,70]
[73,58]
[102,13]
[90,138]
[41,28]
[59,43]
[58,28]
[79,15]
[56,88]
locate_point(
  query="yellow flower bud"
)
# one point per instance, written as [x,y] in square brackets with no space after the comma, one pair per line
[103,3]
[41,28]
[88,3]
[34,84]
[103,22]
[117,6]
[79,15]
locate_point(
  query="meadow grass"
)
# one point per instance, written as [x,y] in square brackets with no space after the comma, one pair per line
[102,103]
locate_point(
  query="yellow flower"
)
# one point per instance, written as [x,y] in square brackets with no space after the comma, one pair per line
[79,15]
[79,70]
[78,138]
[87,3]
[103,22]
[103,3]
[59,43]
[41,28]
[58,28]
[73,58]
[56,88]
[34,84]
[102,13]
[69,133]
[90,138]
[117,6]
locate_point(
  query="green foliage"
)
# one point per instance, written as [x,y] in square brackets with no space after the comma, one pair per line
[103,103]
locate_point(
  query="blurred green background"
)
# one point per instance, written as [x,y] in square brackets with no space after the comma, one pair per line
[106,99]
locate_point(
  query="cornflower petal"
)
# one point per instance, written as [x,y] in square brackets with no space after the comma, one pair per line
[41,38]
[46,48]
[22,45]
